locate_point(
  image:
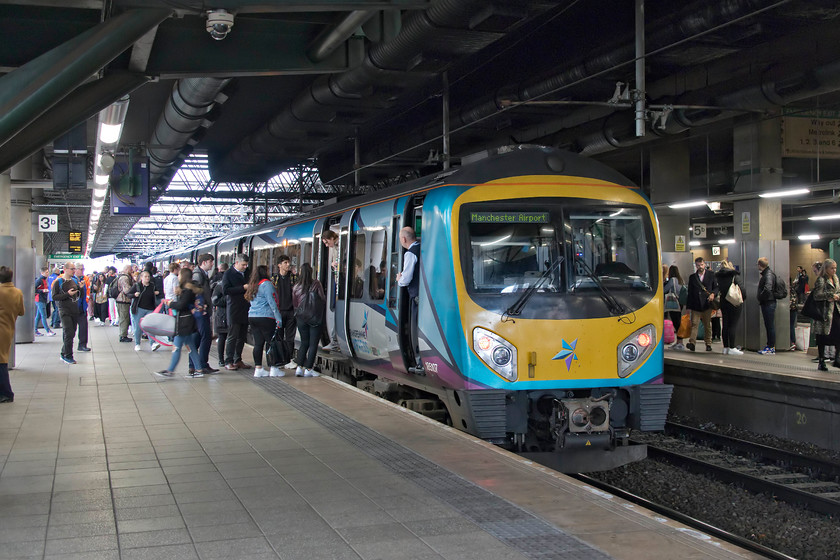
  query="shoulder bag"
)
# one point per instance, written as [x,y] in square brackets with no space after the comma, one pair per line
[734,295]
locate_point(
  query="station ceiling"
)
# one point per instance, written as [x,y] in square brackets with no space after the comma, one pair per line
[276,115]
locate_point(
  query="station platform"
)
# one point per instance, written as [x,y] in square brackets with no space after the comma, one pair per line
[782,395]
[105,460]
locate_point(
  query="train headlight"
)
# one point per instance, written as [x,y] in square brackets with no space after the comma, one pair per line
[496,352]
[633,350]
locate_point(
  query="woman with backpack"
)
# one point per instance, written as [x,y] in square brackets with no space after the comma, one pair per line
[142,303]
[309,303]
[673,305]
[185,328]
[264,319]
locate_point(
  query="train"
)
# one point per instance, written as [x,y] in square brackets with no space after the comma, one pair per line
[540,309]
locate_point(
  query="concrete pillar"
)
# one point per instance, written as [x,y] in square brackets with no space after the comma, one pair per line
[669,182]
[5,203]
[757,160]
[24,262]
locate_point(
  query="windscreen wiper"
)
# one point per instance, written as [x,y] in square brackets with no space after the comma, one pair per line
[614,306]
[516,309]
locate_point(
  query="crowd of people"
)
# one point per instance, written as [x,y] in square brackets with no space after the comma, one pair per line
[715,301]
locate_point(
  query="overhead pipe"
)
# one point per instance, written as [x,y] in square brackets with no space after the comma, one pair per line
[332,38]
[31,90]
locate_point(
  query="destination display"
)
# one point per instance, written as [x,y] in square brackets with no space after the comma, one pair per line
[509,217]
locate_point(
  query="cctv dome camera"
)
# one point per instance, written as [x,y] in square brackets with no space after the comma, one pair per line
[219,24]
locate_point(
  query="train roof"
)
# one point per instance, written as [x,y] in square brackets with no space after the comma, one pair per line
[489,165]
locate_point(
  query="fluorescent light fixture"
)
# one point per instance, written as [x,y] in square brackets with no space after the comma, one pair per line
[826,217]
[109,133]
[100,179]
[687,204]
[713,206]
[693,243]
[809,236]
[98,202]
[786,192]
[726,241]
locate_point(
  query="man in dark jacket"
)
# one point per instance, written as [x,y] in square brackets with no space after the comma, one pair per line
[768,304]
[234,285]
[701,292]
[283,283]
[204,333]
[66,293]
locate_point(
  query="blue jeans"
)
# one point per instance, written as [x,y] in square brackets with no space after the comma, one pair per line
[768,313]
[135,322]
[41,313]
[202,339]
[181,340]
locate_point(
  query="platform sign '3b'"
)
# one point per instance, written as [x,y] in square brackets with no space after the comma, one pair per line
[47,223]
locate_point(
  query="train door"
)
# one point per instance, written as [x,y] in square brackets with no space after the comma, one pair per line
[327,271]
[412,217]
[345,276]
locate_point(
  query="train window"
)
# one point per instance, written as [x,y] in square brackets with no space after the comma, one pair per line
[358,258]
[610,249]
[395,263]
[262,256]
[306,257]
[376,268]
[343,242]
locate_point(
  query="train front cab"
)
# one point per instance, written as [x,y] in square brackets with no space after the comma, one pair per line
[567,370]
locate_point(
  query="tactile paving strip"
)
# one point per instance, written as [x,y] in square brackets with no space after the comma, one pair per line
[519,529]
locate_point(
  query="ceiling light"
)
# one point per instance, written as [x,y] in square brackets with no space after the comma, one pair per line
[687,204]
[100,179]
[809,236]
[713,206]
[726,241]
[109,133]
[825,217]
[787,192]
[693,243]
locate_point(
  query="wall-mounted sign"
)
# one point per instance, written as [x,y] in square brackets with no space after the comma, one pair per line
[699,230]
[715,250]
[745,222]
[679,243]
[74,242]
[60,257]
[47,223]
[809,134]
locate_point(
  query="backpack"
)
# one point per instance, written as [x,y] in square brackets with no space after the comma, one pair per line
[114,288]
[683,295]
[779,288]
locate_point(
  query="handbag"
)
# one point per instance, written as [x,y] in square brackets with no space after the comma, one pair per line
[275,354]
[812,308]
[158,324]
[672,302]
[734,295]
[685,327]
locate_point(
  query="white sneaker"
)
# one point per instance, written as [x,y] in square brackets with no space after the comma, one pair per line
[51,333]
[260,372]
[155,346]
[311,373]
[276,372]
[291,365]
[136,347]
[299,372]
[726,350]
[735,352]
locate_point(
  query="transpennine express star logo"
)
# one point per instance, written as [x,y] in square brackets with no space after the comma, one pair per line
[567,353]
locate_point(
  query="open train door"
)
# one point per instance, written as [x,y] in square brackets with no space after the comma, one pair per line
[412,217]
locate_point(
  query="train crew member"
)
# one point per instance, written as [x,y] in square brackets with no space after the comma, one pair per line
[54,319]
[143,303]
[42,295]
[84,288]
[220,325]
[265,319]
[204,332]
[767,300]
[827,291]
[11,307]
[330,240]
[283,285]
[184,304]
[701,291]
[409,278]
[125,282]
[65,294]
[310,331]
[726,276]
[234,286]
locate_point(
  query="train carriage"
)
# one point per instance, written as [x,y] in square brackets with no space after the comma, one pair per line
[540,308]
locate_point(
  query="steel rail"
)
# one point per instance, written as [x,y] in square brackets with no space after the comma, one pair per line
[826,468]
[692,522]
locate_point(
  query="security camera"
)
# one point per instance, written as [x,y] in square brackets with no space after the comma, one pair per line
[219,23]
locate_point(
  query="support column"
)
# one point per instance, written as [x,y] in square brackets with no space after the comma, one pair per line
[669,182]
[5,204]
[757,160]
[24,265]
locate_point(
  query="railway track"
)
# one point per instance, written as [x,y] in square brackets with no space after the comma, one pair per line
[795,479]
